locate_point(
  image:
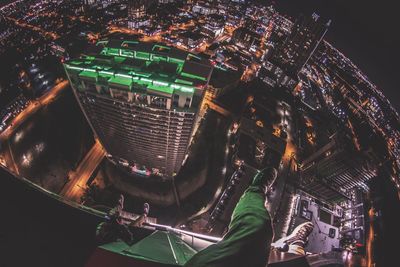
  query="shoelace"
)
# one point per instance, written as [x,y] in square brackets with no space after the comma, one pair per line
[300,236]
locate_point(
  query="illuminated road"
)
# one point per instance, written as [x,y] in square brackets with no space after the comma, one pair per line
[370,239]
[218,108]
[208,102]
[7,158]
[31,109]
[250,72]
[116,29]
[158,37]
[52,35]
[74,189]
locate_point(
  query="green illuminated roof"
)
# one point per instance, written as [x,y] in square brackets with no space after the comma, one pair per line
[155,66]
[89,74]
[164,89]
[121,80]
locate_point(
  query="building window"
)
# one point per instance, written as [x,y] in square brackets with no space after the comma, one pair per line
[90,87]
[187,102]
[175,100]
[159,102]
[120,94]
[141,99]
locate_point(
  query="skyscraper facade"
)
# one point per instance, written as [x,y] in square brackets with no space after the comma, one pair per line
[141,100]
[301,43]
[335,169]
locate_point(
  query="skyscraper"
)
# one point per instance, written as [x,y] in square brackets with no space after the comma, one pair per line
[141,100]
[335,169]
[301,43]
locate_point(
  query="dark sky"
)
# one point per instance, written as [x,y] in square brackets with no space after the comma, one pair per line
[366,31]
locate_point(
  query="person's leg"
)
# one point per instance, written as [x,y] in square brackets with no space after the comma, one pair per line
[120,203]
[252,202]
[250,233]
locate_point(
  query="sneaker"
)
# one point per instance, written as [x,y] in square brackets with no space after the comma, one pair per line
[146,208]
[120,204]
[298,237]
[265,178]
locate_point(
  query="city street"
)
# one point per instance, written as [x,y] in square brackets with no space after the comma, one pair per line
[214,106]
[32,108]
[78,178]
[52,35]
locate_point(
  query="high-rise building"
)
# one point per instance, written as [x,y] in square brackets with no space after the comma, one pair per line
[335,169]
[138,12]
[295,51]
[142,101]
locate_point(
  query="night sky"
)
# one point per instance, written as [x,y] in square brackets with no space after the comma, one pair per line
[366,31]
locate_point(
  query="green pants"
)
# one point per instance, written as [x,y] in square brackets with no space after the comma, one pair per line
[247,242]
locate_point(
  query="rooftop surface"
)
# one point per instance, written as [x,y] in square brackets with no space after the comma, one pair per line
[133,65]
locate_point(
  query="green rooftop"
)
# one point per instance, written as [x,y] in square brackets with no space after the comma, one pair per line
[134,64]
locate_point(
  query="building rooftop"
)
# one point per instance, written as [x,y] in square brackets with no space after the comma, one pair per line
[133,65]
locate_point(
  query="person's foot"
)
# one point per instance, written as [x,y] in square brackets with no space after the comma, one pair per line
[298,237]
[146,208]
[120,204]
[265,178]
[142,219]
